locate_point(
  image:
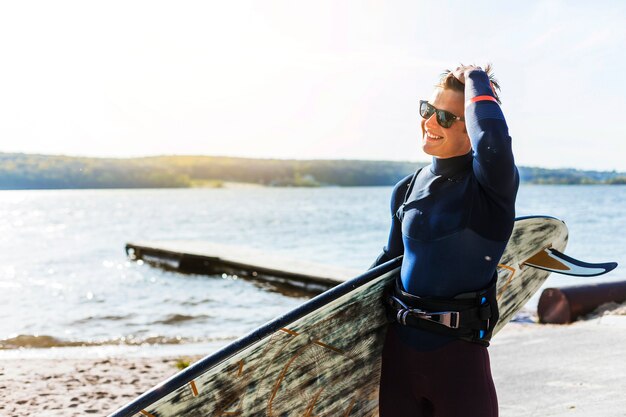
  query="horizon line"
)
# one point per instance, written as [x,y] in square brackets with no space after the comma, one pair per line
[274,159]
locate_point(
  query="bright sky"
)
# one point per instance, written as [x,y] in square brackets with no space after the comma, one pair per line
[305,79]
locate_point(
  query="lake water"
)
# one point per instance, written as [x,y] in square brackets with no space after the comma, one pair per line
[65,279]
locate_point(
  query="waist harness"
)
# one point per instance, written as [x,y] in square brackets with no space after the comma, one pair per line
[469,316]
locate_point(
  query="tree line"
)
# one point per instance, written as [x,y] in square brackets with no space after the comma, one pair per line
[28,171]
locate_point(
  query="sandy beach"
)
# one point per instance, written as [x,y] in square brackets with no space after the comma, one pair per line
[75,387]
[561,370]
[539,370]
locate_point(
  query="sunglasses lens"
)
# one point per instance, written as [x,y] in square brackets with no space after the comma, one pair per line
[445,119]
[426,110]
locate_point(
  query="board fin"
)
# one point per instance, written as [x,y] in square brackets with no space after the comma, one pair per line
[552,260]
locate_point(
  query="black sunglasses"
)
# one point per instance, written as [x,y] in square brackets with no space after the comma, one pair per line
[444,118]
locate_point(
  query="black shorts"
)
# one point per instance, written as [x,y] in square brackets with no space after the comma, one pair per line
[453,380]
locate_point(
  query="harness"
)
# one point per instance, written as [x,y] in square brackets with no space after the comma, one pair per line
[470,316]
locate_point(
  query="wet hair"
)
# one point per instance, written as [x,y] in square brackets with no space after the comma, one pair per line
[449,82]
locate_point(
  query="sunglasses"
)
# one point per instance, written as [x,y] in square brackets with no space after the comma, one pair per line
[444,118]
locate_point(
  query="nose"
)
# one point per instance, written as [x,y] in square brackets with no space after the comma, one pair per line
[431,121]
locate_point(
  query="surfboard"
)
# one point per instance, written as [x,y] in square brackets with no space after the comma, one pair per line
[323,358]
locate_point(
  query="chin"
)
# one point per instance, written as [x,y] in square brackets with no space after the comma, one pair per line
[428,148]
[428,151]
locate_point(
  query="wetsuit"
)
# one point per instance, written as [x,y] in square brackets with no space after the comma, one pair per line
[452,227]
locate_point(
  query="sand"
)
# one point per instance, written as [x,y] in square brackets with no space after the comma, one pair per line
[77,387]
[561,370]
[539,370]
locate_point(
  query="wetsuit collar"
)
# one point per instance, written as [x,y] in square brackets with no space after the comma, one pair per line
[450,167]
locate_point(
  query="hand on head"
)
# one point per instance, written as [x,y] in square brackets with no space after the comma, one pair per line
[459,72]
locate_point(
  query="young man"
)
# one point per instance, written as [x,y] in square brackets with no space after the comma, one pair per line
[451,221]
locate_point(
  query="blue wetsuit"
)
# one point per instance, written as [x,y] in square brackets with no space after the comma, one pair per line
[452,231]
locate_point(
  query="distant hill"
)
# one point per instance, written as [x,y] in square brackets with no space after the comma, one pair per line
[25,171]
[535,175]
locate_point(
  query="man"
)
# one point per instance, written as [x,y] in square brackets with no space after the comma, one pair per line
[451,220]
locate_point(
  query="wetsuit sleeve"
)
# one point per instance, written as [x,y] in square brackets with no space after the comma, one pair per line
[395,246]
[493,164]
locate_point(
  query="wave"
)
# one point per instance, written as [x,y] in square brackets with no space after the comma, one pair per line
[45,341]
[34,341]
[100,318]
[194,302]
[179,318]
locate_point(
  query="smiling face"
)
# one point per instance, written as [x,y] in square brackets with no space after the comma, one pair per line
[453,141]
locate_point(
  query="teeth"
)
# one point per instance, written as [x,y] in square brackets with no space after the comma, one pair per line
[430,135]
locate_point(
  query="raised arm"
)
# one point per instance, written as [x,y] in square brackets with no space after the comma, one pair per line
[494,165]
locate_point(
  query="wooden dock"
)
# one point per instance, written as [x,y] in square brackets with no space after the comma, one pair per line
[214,259]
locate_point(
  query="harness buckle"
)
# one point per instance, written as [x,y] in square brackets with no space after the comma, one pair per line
[447,318]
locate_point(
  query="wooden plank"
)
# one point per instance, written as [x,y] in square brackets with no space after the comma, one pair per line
[211,259]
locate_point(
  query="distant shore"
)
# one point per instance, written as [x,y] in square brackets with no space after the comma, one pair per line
[26,171]
[224,184]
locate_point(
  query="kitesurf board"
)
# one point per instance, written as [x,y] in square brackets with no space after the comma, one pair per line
[323,358]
